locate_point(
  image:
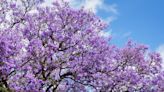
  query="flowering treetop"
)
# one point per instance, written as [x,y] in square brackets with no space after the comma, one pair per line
[59,49]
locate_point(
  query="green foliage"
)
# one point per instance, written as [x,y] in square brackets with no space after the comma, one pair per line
[2,89]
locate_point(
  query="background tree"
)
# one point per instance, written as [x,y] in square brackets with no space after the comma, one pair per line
[58,48]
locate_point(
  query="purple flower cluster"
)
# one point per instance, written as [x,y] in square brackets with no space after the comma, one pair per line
[59,49]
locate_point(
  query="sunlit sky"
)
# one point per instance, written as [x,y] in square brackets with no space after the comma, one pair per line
[139,20]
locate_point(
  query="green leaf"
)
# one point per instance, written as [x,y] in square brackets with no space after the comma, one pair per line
[2,89]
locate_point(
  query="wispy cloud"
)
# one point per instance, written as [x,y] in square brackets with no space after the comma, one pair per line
[93,5]
[110,19]
[105,34]
[160,50]
[127,34]
[110,8]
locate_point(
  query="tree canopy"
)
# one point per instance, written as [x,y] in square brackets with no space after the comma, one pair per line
[60,49]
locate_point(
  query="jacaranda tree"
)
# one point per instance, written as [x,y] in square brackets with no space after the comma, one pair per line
[60,49]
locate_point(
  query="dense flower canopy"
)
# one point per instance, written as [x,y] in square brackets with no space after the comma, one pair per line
[58,48]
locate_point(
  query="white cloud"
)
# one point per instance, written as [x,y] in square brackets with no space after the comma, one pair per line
[160,50]
[96,5]
[93,5]
[105,34]
[110,19]
[110,8]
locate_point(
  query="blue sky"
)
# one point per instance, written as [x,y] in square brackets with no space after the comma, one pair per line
[139,20]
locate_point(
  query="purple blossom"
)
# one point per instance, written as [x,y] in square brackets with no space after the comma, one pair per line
[59,49]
